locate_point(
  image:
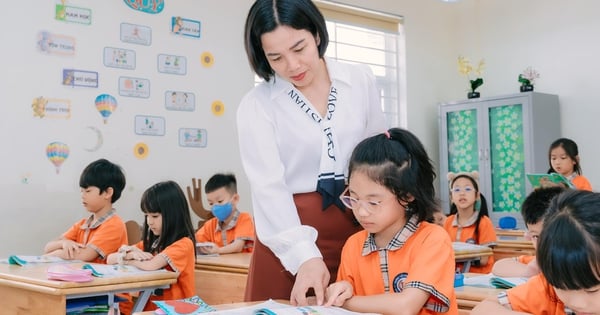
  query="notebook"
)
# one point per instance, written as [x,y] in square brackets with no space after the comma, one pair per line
[537,180]
[189,306]
[23,260]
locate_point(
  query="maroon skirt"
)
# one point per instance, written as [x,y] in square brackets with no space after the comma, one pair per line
[268,279]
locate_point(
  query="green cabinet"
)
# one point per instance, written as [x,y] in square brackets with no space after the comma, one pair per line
[502,138]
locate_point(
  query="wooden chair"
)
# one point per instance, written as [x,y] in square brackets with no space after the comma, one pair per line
[134,232]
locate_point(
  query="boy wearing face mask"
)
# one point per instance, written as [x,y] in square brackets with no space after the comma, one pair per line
[230,231]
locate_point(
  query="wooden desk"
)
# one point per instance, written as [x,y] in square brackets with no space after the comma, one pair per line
[26,290]
[467,256]
[467,297]
[512,246]
[222,279]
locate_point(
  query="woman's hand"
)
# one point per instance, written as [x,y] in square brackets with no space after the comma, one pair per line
[313,273]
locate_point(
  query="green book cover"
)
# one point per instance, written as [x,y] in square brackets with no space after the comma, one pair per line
[542,180]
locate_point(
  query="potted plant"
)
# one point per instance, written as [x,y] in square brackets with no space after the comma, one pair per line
[527,79]
[472,74]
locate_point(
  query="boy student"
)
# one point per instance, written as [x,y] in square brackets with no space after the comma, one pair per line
[103,232]
[230,231]
[533,210]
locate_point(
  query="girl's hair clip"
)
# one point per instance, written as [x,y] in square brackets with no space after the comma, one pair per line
[387,134]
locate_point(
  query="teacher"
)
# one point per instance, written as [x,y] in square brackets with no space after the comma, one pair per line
[296,132]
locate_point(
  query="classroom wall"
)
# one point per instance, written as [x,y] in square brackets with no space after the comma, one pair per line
[38,204]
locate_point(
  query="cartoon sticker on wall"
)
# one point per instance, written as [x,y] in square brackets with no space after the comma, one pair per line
[185,27]
[193,137]
[51,108]
[140,150]
[105,104]
[96,141]
[218,108]
[207,59]
[55,44]
[146,6]
[136,34]
[73,14]
[57,152]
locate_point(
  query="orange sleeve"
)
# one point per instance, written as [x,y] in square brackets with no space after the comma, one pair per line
[244,229]
[73,232]
[525,259]
[487,232]
[535,296]
[582,183]
[108,237]
[181,258]
[207,232]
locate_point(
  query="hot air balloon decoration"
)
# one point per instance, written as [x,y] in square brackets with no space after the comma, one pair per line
[57,153]
[105,104]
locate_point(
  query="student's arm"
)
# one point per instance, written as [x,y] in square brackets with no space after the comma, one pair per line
[491,306]
[234,247]
[509,267]
[410,301]
[71,250]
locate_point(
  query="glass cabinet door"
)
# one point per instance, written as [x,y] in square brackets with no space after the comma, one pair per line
[463,147]
[507,157]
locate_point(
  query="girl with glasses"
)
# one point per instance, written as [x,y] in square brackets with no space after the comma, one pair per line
[400,260]
[468,221]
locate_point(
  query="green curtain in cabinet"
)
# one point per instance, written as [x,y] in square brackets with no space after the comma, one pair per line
[463,150]
[507,157]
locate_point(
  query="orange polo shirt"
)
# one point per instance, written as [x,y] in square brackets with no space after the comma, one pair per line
[535,296]
[420,256]
[487,237]
[241,227]
[105,236]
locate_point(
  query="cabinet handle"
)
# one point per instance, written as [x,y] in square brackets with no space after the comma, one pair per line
[486,154]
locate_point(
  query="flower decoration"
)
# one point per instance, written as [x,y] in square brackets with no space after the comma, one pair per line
[528,76]
[465,68]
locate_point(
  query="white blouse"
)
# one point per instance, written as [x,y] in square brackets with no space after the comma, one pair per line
[280,147]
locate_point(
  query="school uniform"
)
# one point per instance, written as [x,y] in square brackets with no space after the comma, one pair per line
[420,256]
[581,182]
[525,259]
[535,296]
[466,233]
[240,227]
[181,258]
[105,236]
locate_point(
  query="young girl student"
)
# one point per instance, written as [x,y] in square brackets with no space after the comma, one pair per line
[564,159]
[568,254]
[167,241]
[399,261]
[468,221]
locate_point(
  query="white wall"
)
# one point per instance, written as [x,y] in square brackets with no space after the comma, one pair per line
[38,204]
[555,37]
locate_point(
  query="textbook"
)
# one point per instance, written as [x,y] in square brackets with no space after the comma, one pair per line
[23,260]
[189,306]
[537,180]
[507,282]
[102,270]
[271,307]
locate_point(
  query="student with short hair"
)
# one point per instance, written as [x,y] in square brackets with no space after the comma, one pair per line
[399,261]
[533,210]
[167,242]
[230,231]
[568,254]
[93,238]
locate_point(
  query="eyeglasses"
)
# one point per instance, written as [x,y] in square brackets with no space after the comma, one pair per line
[371,206]
[458,190]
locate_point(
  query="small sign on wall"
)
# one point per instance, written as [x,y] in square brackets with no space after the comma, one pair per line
[119,58]
[172,64]
[134,87]
[149,125]
[182,101]
[193,137]
[83,78]
[136,34]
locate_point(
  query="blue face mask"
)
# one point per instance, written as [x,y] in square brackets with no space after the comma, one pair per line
[222,212]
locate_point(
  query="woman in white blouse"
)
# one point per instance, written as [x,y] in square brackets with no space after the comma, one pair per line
[296,132]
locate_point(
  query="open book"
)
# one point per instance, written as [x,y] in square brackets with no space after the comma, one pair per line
[23,260]
[189,306]
[101,270]
[537,180]
[271,307]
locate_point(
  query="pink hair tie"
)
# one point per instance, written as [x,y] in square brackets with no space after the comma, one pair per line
[387,134]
